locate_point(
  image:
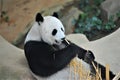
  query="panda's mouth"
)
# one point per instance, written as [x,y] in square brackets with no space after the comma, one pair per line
[61,42]
[57,41]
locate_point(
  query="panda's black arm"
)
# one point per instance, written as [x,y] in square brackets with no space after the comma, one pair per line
[64,56]
[81,53]
[43,54]
[84,54]
[39,53]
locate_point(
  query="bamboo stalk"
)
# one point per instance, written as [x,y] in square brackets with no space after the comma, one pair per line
[87,78]
[100,71]
[70,74]
[67,41]
[80,70]
[117,77]
[83,74]
[75,72]
[96,70]
[107,72]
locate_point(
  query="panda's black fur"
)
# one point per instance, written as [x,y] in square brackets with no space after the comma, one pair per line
[41,59]
[44,60]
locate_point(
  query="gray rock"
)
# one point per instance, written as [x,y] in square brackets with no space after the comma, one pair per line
[13,65]
[110,7]
[21,37]
[67,19]
[56,8]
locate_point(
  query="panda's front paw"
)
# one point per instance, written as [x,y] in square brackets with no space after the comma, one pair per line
[89,57]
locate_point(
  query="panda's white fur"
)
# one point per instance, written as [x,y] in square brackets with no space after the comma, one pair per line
[44,31]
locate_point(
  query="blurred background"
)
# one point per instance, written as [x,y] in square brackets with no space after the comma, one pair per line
[93,18]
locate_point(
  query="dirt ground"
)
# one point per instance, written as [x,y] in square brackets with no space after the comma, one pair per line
[20,13]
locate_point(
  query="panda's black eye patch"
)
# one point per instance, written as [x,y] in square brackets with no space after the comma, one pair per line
[62,29]
[54,32]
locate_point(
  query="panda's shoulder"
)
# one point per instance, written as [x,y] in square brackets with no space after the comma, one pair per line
[33,42]
[37,46]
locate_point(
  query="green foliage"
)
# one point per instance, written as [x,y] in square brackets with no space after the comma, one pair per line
[89,23]
[90,7]
[98,2]
[118,14]
[110,24]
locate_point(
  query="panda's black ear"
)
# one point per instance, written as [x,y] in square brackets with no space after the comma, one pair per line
[39,18]
[55,15]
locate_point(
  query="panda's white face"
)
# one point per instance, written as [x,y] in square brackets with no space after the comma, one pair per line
[52,30]
[48,28]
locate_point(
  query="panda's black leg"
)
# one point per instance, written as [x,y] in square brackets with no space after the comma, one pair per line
[103,70]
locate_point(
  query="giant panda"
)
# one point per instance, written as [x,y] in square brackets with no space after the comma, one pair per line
[48,53]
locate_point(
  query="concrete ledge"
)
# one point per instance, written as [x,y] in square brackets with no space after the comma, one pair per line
[107,50]
[77,38]
[13,65]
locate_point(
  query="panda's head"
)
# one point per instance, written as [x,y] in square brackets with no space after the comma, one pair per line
[51,29]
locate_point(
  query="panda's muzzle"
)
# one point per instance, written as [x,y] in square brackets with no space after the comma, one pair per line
[62,39]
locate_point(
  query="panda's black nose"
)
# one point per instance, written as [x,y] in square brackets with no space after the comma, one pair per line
[63,38]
